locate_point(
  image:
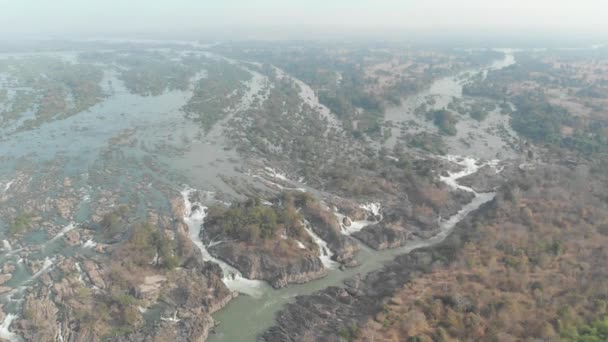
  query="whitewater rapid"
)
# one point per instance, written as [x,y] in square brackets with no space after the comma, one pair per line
[247,317]
[5,333]
[470,166]
[194,217]
[325,254]
[373,209]
[63,231]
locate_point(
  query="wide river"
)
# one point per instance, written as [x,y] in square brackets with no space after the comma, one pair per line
[246,317]
[80,145]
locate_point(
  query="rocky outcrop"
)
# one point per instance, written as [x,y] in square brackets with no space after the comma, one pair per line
[326,315]
[335,312]
[93,273]
[490,178]
[190,300]
[40,320]
[187,327]
[398,226]
[325,224]
[381,236]
[65,207]
[259,262]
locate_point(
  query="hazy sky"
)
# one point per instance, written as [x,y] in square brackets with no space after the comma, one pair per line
[98,16]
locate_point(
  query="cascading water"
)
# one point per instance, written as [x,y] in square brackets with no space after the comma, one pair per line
[5,333]
[246,317]
[89,244]
[7,246]
[194,217]
[373,209]
[63,231]
[325,254]
[471,166]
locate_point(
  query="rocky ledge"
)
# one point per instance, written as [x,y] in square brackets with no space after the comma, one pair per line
[279,270]
[404,221]
[333,313]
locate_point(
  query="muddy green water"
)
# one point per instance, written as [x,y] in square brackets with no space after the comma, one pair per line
[244,318]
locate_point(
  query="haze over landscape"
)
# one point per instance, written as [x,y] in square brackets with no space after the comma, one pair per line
[239,19]
[303,170]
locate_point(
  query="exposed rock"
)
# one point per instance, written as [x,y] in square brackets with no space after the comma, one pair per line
[40,320]
[323,315]
[4,278]
[346,221]
[486,179]
[261,263]
[149,290]
[325,224]
[384,236]
[8,268]
[92,271]
[72,237]
[192,297]
[100,248]
[177,207]
[64,206]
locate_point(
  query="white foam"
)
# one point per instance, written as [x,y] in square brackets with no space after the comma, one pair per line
[63,231]
[276,174]
[46,265]
[7,186]
[470,167]
[373,208]
[5,333]
[79,270]
[59,333]
[271,184]
[89,244]
[325,253]
[233,278]
[173,319]
[7,246]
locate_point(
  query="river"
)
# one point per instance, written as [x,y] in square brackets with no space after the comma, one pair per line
[83,147]
[472,137]
[246,317]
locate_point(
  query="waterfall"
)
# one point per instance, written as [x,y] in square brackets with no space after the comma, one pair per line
[63,231]
[325,253]
[5,333]
[373,208]
[89,244]
[194,217]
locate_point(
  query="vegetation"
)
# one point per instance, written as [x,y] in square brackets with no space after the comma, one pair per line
[21,224]
[538,120]
[115,224]
[594,332]
[537,89]
[50,89]
[153,74]
[429,142]
[357,83]
[147,244]
[213,94]
[252,221]
[444,120]
[530,266]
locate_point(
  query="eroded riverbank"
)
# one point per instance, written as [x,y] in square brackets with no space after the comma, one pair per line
[244,318]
